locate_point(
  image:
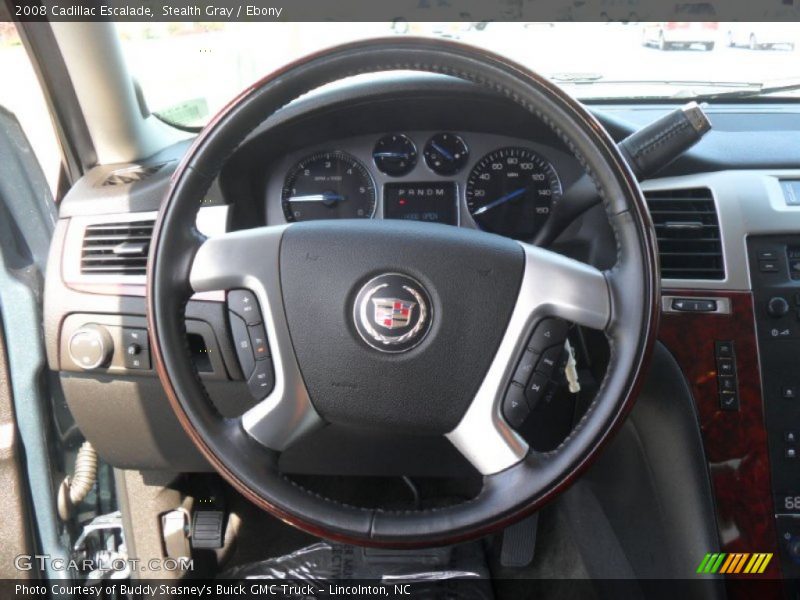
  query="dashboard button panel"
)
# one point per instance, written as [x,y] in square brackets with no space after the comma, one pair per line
[726,375]
[776,292]
[532,381]
[251,343]
[137,348]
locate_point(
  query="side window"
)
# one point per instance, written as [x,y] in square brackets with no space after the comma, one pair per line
[21,95]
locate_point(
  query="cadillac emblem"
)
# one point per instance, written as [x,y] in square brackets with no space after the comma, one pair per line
[392,312]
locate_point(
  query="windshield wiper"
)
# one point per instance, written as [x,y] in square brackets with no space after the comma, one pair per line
[760,89]
[689,88]
[576,77]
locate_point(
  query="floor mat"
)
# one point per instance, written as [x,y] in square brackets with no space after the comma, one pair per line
[453,573]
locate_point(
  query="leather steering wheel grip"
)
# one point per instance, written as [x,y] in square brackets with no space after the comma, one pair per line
[506,496]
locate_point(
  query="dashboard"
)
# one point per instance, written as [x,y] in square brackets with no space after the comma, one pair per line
[398,149]
[503,184]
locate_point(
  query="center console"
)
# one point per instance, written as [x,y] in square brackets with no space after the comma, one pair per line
[775,272]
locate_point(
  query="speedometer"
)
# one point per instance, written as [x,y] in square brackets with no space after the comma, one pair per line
[328,185]
[511,191]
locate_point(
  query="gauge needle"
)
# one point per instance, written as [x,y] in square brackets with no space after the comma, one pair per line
[400,155]
[442,151]
[499,201]
[326,197]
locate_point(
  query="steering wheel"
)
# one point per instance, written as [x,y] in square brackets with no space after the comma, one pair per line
[400,326]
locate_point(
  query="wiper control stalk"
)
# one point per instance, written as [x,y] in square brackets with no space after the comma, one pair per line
[658,144]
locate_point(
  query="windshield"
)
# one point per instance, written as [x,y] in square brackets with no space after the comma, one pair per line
[188,71]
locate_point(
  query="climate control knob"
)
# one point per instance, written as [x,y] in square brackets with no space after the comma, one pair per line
[90,347]
[777,306]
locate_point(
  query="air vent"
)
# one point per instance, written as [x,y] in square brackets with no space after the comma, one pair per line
[131,175]
[687,228]
[116,248]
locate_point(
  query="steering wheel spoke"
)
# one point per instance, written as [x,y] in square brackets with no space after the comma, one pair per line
[563,287]
[239,259]
[249,259]
[552,286]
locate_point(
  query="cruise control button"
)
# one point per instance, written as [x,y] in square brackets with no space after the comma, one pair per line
[244,304]
[550,332]
[258,340]
[262,380]
[515,406]
[525,367]
[241,341]
[535,389]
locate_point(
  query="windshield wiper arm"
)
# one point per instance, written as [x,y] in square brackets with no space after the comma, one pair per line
[757,90]
[590,78]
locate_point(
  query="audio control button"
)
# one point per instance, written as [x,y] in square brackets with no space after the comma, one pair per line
[777,306]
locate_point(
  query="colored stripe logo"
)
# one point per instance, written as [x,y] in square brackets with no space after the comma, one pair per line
[735,562]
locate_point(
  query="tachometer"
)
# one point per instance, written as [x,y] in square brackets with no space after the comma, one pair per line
[511,191]
[328,185]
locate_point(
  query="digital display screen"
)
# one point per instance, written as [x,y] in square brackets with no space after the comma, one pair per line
[791,191]
[430,201]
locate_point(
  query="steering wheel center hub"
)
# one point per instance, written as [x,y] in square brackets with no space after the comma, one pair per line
[392,312]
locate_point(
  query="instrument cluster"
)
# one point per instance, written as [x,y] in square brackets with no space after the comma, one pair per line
[491,182]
